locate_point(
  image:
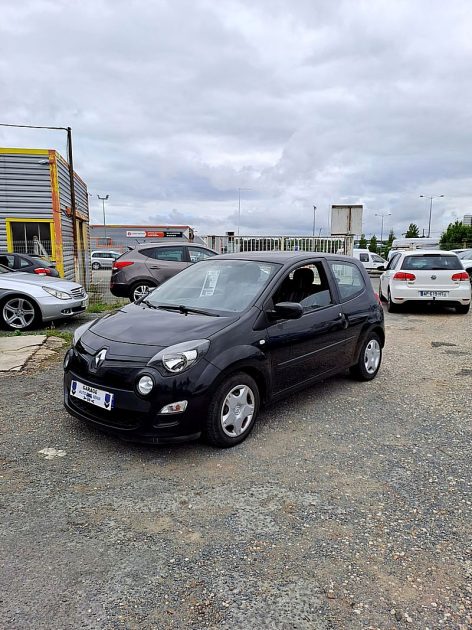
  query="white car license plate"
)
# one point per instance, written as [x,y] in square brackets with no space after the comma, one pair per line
[85,302]
[94,396]
[434,293]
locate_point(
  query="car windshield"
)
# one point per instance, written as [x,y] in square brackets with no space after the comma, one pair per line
[432,262]
[467,255]
[227,286]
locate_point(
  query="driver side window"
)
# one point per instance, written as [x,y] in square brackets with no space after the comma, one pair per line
[307,285]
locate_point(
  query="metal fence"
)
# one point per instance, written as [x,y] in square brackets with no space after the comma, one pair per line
[235,244]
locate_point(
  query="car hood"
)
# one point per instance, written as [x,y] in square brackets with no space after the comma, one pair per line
[137,330]
[20,277]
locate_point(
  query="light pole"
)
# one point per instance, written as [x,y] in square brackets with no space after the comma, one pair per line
[103,199]
[314,219]
[430,197]
[239,205]
[382,214]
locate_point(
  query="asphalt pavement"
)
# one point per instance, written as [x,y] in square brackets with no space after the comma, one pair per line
[348,507]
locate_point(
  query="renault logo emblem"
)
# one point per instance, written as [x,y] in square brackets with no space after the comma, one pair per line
[100,358]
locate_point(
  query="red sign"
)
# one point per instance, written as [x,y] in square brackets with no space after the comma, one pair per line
[153,234]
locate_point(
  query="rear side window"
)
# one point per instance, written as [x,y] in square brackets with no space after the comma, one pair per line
[349,279]
[431,262]
[198,253]
[7,261]
[25,263]
[170,254]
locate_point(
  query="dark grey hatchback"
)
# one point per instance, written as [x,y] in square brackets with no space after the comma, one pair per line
[202,352]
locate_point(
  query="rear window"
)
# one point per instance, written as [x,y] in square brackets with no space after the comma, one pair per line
[431,262]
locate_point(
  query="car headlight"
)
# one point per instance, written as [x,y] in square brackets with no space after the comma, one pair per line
[180,357]
[145,385]
[80,331]
[61,295]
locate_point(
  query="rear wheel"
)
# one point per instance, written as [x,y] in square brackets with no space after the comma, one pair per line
[233,411]
[391,306]
[462,309]
[19,313]
[95,265]
[370,358]
[381,297]
[140,289]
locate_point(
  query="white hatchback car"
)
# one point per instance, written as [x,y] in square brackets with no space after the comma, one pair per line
[425,276]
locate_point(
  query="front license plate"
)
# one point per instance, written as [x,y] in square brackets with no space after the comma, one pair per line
[434,293]
[85,303]
[92,395]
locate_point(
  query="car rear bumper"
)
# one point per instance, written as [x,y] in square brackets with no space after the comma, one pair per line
[119,289]
[453,295]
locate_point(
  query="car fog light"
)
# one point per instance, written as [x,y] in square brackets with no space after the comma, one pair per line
[176,407]
[145,385]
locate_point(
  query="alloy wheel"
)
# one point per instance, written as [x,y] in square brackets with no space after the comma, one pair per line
[140,291]
[18,313]
[372,356]
[237,410]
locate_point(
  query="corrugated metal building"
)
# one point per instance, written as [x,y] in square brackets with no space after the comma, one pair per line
[35,209]
[120,237]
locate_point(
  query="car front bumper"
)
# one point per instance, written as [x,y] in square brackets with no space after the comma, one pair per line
[136,418]
[53,308]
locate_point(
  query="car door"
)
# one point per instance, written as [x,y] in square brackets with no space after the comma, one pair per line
[166,262]
[307,348]
[388,274]
[355,296]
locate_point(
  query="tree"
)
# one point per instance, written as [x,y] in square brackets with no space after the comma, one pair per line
[373,244]
[456,235]
[413,231]
[363,242]
[388,243]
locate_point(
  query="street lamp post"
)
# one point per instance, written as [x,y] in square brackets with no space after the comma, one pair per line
[314,219]
[103,199]
[382,214]
[430,197]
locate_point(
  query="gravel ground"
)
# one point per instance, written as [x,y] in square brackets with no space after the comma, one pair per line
[348,507]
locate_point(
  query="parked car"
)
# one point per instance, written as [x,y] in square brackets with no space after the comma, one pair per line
[466,259]
[425,276]
[150,264]
[203,351]
[28,263]
[26,299]
[369,259]
[103,258]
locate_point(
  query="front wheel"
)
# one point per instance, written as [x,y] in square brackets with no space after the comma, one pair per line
[462,309]
[233,411]
[370,358]
[18,313]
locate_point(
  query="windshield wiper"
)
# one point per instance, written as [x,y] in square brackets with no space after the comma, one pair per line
[147,302]
[185,310]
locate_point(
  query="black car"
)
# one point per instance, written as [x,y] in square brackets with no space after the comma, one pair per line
[28,263]
[201,353]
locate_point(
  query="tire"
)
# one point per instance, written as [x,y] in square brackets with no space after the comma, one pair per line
[138,289]
[370,359]
[95,265]
[219,429]
[391,306]
[462,309]
[18,312]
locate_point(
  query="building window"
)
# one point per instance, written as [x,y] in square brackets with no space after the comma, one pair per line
[31,237]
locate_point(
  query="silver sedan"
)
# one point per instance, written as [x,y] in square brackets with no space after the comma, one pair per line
[27,300]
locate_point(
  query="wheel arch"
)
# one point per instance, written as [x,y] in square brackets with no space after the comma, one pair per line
[4,296]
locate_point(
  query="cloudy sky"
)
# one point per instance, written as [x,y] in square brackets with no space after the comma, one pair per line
[175,104]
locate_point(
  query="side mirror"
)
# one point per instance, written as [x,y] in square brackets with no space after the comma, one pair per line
[288,310]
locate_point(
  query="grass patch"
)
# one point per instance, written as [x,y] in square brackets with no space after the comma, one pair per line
[62,334]
[101,307]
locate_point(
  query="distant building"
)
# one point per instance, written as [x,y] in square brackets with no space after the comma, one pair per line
[122,236]
[467,219]
[35,208]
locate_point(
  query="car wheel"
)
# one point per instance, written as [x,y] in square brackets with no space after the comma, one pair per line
[95,265]
[140,289]
[233,411]
[370,358]
[381,297]
[18,313]
[391,306]
[462,309]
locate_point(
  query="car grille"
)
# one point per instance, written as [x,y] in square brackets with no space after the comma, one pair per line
[114,418]
[79,292]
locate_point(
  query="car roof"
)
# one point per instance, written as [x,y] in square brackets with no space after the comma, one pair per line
[281,257]
[421,252]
